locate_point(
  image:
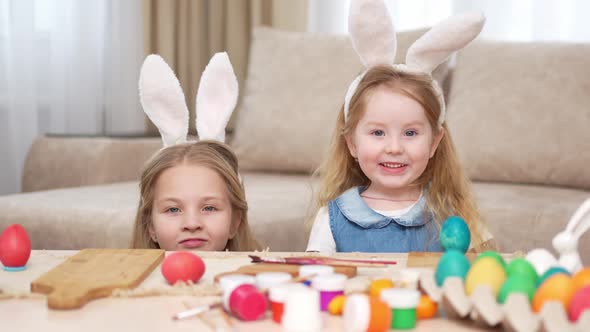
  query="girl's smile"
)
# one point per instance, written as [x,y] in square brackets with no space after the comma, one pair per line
[393,142]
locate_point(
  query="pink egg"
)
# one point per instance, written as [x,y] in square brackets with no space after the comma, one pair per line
[15,247]
[579,303]
[183,266]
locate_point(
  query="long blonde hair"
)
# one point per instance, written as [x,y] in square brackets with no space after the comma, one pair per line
[211,154]
[448,188]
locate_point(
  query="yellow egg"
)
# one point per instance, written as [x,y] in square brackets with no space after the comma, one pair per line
[485,271]
[558,287]
[336,305]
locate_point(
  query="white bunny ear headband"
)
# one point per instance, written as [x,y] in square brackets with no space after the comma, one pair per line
[163,101]
[373,38]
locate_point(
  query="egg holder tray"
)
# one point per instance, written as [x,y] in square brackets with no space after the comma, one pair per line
[482,308]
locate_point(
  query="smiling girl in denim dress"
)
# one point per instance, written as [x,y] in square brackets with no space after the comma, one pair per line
[392,175]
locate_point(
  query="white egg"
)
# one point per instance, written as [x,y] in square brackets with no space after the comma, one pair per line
[541,259]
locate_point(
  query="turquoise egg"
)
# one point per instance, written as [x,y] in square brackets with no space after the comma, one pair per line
[454,234]
[516,284]
[522,267]
[494,255]
[452,263]
[550,272]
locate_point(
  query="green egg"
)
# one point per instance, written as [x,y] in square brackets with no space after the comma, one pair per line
[494,255]
[550,272]
[521,267]
[452,263]
[517,284]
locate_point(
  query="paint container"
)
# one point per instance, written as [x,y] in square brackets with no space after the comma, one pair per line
[403,303]
[266,280]
[302,309]
[241,298]
[366,313]
[329,286]
[307,270]
[277,296]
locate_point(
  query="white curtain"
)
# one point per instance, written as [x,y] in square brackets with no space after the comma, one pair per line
[511,20]
[66,67]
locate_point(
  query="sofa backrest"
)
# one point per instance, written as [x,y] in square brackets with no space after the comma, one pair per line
[294,89]
[59,162]
[520,112]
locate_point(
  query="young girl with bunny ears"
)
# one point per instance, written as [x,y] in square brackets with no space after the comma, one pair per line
[191,194]
[392,176]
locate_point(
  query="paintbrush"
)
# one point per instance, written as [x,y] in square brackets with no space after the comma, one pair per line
[321,261]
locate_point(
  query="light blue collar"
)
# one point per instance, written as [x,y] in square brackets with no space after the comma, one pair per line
[356,210]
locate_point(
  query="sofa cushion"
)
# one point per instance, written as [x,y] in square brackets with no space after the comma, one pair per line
[102,216]
[525,217]
[290,102]
[520,112]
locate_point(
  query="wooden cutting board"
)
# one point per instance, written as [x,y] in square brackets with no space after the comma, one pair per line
[255,268]
[94,273]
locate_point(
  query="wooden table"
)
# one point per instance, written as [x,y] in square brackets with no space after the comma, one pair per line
[20,310]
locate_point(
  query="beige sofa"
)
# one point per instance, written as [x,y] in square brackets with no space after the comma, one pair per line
[519,115]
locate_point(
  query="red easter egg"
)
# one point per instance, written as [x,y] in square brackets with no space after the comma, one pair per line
[580,302]
[184,266]
[15,246]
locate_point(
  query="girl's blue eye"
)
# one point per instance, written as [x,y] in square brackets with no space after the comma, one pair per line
[378,132]
[209,208]
[173,210]
[411,133]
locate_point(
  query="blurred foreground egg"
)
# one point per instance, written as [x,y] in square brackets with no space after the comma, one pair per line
[558,287]
[15,248]
[454,234]
[580,302]
[541,260]
[452,263]
[485,271]
[517,284]
[183,266]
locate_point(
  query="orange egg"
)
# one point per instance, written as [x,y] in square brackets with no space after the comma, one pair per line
[558,287]
[581,279]
[426,308]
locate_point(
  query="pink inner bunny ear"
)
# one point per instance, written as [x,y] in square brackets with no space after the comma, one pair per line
[436,45]
[372,32]
[162,100]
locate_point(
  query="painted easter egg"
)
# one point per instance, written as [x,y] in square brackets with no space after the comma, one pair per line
[454,234]
[558,287]
[581,279]
[183,266]
[426,308]
[15,247]
[486,271]
[541,260]
[452,263]
[494,254]
[517,284]
[580,302]
[521,267]
[550,272]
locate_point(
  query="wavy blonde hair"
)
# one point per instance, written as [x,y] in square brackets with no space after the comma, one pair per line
[214,155]
[449,190]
